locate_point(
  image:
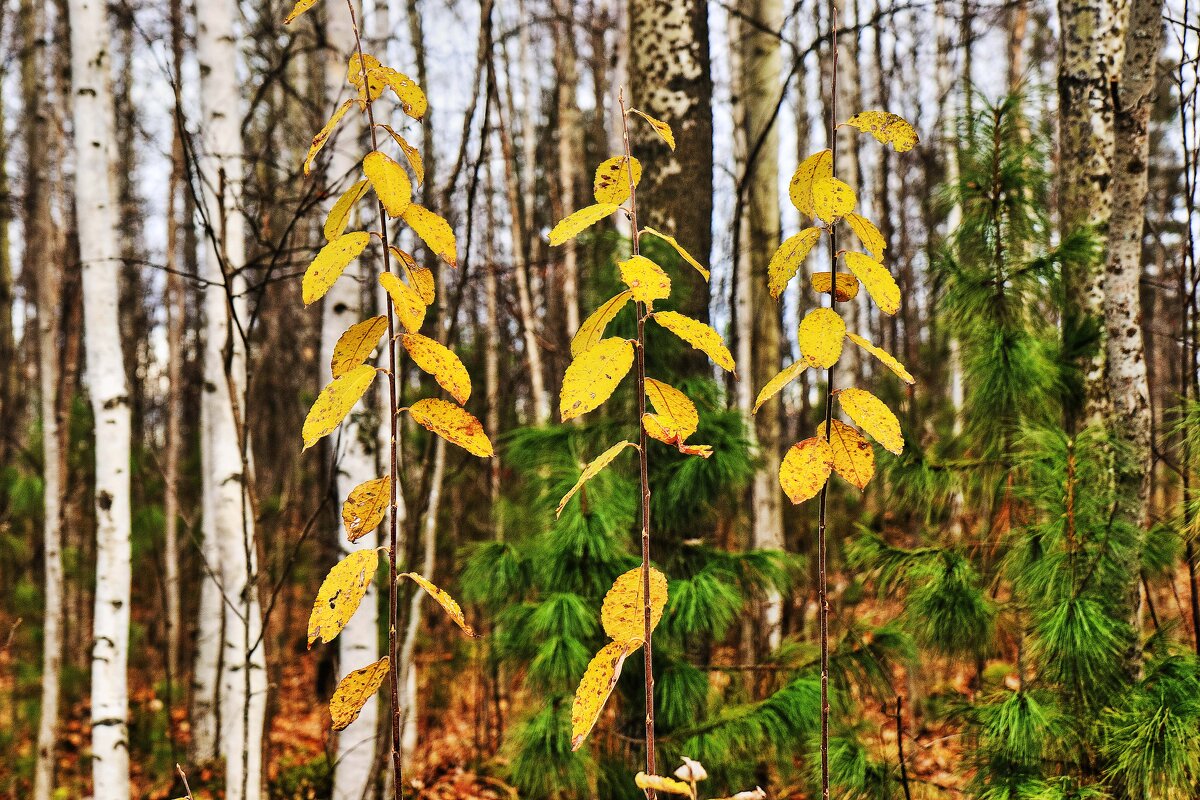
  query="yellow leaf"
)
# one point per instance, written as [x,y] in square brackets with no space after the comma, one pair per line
[354,69]
[339,215]
[353,692]
[593,375]
[434,231]
[676,418]
[412,154]
[875,277]
[365,507]
[884,356]
[571,226]
[592,329]
[645,279]
[340,593]
[660,784]
[595,687]
[412,99]
[355,345]
[323,135]
[847,285]
[612,179]
[873,417]
[370,84]
[773,387]
[455,425]
[684,254]
[390,182]
[590,471]
[409,307]
[816,167]
[853,456]
[420,279]
[868,234]
[440,362]
[444,600]
[788,258]
[334,403]
[300,7]
[661,128]
[623,612]
[832,199]
[698,335]
[330,263]
[886,127]
[822,332]
[805,469]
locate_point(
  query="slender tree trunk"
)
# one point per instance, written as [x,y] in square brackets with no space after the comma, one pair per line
[570,149]
[96,210]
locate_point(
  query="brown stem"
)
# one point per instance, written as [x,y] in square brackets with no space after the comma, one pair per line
[900,746]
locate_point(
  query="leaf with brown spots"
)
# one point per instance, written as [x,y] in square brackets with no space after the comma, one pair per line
[334,403]
[440,362]
[816,167]
[787,259]
[853,456]
[448,603]
[592,329]
[354,346]
[805,469]
[623,612]
[366,506]
[873,417]
[821,334]
[353,692]
[612,179]
[595,687]
[323,135]
[647,280]
[782,379]
[340,594]
[591,470]
[455,425]
[591,378]
[847,285]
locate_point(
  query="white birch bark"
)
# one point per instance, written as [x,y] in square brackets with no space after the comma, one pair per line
[210,616]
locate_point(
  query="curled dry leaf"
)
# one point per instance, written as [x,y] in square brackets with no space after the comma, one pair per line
[434,231]
[354,346]
[661,128]
[323,135]
[454,424]
[676,418]
[847,285]
[366,506]
[873,417]
[353,692]
[659,783]
[440,362]
[816,167]
[612,179]
[821,334]
[887,127]
[878,281]
[574,224]
[593,375]
[356,77]
[339,215]
[698,335]
[886,358]
[623,612]
[592,329]
[832,199]
[595,687]
[448,603]
[776,384]
[408,305]
[593,468]
[787,259]
[853,456]
[805,469]
[330,263]
[647,280]
[340,594]
[390,182]
[334,403]
[684,254]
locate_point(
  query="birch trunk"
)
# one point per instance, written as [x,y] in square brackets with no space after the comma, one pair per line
[570,150]
[100,252]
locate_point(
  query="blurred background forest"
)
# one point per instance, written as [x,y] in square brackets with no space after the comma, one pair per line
[1015,609]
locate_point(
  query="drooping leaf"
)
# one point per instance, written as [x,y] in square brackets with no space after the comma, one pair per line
[776,384]
[596,685]
[832,199]
[676,417]
[853,456]
[420,279]
[805,469]
[661,128]
[440,362]
[878,281]
[323,135]
[574,224]
[623,611]
[684,254]
[698,335]
[887,127]
[339,215]
[300,7]
[448,603]
[593,375]
[868,234]
[355,74]
[788,258]
[330,263]
[390,182]
[592,329]
[412,99]
[647,280]
[340,594]
[816,167]
[873,417]
[356,344]
[593,468]
[353,692]
[334,403]
[411,154]
[847,285]
[886,358]
[660,784]
[409,307]
[454,424]
[434,231]
[822,332]
[366,506]
[611,184]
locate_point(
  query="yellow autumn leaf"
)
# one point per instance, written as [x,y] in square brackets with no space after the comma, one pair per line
[330,263]
[873,417]
[353,692]
[354,68]
[788,258]
[595,687]
[448,603]
[592,329]
[853,456]
[878,281]
[340,594]
[868,234]
[300,7]
[887,127]
[370,84]
[593,375]
[660,784]
[816,167]
[412,154]
[676,417]
[434,231]
[571,226]
[323,135]
[886,358]
[776,384]
[390,182]
[454,424]
[684,254]
[408,305]
[355,345]
[623,612]
[822,332]
[339,215]
[590,471]
[611,184]
[412,98]
[805,469]
[366,506]
[420,279]
[334,403]
[647,280]
[832,199]
[847,285]
[440,362]
[698,335]
[661,128]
